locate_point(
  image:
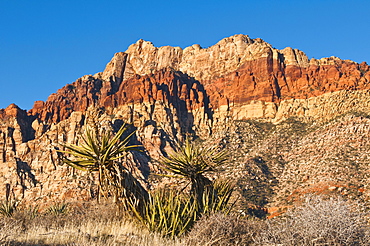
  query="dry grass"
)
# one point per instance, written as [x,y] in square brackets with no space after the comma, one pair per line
[220,229]
[94,225]
[89,233]
[317,221]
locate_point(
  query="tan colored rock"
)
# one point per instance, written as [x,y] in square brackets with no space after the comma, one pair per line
[165,92]
[326,106]
[202,64]
[295,57]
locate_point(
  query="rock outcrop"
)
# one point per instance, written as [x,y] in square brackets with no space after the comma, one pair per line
[237,72]
[165,93]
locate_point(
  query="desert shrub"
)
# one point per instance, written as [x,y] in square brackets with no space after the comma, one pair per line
[319,221]
[7,208]
[222,229]
[31,211]
[58,208]
[193,161]
[99,152]
[216,198]
[168,213]
[172,213]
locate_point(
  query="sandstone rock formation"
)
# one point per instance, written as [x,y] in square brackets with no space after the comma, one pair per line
[165,93]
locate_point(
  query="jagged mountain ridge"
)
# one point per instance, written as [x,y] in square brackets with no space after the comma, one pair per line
[237,70]
[168,91]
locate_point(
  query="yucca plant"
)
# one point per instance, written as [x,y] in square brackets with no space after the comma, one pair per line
[99,152]
[31,211]
[192,161]
[126,188]
[216,198]
[58,208]
[173,213]
[8,207]
[168,213]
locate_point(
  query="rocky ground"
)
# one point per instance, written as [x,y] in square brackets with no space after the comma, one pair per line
[276,165]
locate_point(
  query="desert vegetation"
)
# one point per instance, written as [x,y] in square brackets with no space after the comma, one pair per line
[204,209]
[317,221]
[168,212]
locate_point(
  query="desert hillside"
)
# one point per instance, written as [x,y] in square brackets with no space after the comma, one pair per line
[292,125]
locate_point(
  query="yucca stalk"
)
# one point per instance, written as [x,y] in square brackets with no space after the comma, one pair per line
[99,152]
[192,161]
[126,187]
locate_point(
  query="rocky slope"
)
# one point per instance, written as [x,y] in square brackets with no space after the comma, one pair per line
[276,164]
[211,92]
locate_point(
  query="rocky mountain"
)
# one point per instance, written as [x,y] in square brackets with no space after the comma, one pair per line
[293,125]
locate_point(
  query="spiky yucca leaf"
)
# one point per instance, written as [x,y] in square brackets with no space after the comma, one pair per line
[191,160]
[173,214]
[58,208]
[98,149]
[216,197]
[168,213]
[98,152]
[7,208]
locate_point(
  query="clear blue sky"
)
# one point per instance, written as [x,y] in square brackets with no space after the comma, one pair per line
[47,44]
